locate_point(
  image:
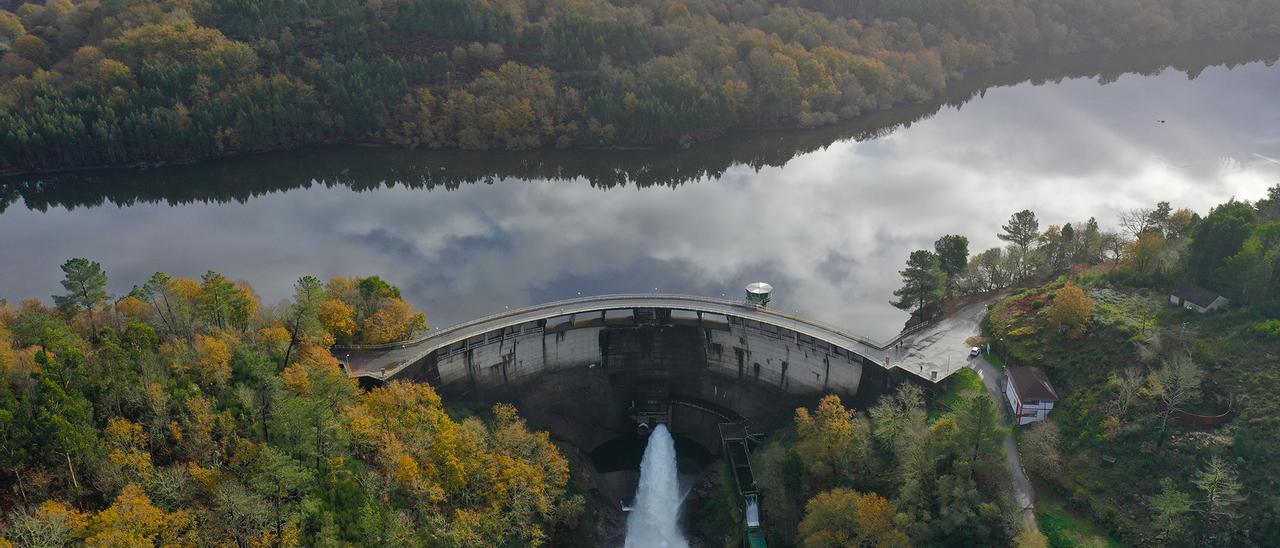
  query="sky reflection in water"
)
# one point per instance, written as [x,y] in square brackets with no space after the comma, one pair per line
[829,229]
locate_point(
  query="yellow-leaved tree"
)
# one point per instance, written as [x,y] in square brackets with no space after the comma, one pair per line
[128,454]
[275,338]
[393,322]
[132,520]
[367,310]
[7,354]
[1072,309]
[843,517]
[316,372]
[834,442]
[132,307]
[213,361]
[496,484]
[339,318]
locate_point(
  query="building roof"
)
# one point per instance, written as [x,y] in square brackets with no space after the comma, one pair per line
[1031,384]
[1196,295]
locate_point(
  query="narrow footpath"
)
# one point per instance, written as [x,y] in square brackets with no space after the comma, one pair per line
[1023,494]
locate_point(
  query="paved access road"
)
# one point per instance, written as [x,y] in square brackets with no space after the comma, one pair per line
[1023,493]
[939,350]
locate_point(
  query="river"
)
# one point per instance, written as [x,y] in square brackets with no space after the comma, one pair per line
[828,216]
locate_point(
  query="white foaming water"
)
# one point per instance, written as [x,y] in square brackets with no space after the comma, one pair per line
[653,519]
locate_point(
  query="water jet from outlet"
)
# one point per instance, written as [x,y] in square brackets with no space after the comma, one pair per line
[654,518]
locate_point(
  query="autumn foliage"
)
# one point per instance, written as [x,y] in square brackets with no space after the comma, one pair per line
[191,416]
[844,517]
[1071,309]
[94,83]
[368,311]
[901,477]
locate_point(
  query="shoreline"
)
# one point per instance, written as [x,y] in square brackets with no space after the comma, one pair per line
[1031,69]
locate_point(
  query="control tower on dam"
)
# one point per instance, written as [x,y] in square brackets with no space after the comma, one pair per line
[589,369]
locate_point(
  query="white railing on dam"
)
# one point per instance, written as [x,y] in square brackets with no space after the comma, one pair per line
[387,359]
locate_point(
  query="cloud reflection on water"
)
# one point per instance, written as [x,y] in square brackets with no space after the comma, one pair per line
[829,229]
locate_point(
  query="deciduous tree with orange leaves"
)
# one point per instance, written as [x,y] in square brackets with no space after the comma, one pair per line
[176,425]
[395,321]
[1071,308]
[842,518]
[496,472]
[133,520]
[212,360]
[339,318]
[834,442]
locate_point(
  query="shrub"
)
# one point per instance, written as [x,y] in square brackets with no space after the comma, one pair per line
[1267,330]
[1022,331]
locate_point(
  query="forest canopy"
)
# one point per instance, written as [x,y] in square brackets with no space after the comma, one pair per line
[142,81]
[186,413]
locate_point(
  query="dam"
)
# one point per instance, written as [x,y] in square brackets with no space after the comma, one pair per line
[592,369]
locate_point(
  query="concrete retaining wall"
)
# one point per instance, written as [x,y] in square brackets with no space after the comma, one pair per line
[579,380]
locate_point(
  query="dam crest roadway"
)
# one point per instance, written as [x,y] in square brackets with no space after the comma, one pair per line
[929,352]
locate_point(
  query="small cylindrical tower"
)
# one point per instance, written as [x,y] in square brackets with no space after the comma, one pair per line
[758,293]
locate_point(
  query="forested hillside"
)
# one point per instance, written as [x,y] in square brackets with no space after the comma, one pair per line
[187,414]
[139,81]
[1165,430]
[897,476]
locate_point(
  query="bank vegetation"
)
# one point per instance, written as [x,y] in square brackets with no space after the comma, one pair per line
[187,413]
[86,83]
[894,476]
[1164,434]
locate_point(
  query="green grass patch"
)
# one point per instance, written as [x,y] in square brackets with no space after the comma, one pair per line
[963,384]
[1065,529]
[995,359]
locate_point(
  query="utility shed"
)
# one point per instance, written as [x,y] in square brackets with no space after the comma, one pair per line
[1030,395]
[1197,298]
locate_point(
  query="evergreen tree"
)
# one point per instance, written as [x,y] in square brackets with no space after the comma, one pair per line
[1022,230]
[953,256]
[1269,207]
[923,283]
[304,315]
[1066,248]
[1169,508]
[86,286]
[1221,488]
[1220,235]
[1089,245]
[220,300]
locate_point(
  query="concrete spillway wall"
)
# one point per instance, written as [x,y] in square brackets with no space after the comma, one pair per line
[580,378]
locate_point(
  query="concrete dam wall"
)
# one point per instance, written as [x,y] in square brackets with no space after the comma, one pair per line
[591,377]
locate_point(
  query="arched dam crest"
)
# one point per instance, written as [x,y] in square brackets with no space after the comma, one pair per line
[589,375]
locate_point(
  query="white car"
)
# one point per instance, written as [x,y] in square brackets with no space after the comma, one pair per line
[973,352]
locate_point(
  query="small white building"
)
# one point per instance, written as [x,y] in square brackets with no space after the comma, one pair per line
[1030,395]
[1196,298]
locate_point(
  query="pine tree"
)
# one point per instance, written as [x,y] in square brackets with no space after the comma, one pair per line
[953,256]
[923,282]
[86,286]
[1022,231]
[304,315]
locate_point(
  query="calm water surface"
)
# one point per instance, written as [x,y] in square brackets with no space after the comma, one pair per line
[827,216]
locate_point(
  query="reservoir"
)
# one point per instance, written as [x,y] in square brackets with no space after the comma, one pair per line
[827,215]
